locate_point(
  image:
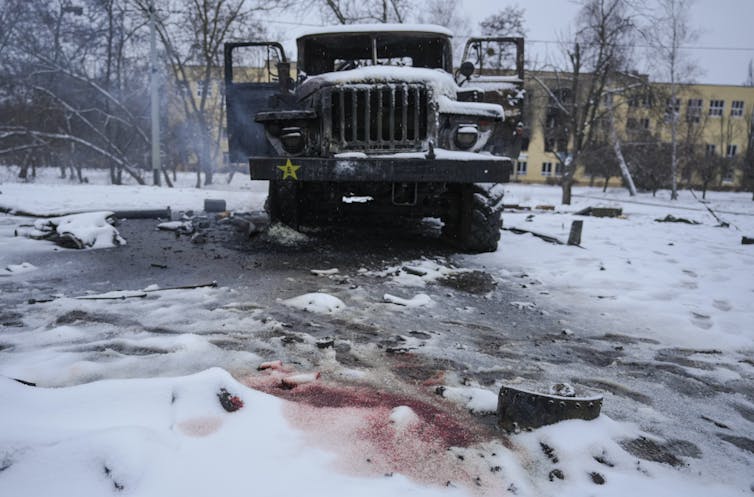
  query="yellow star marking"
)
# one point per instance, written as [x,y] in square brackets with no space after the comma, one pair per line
[289,170]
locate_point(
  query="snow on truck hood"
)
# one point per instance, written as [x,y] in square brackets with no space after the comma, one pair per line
[440,81]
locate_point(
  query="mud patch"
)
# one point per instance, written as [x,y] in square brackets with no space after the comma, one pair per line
[11,319]
[666,453]
[742,443]
[476,282]
[746,412]
[615,389]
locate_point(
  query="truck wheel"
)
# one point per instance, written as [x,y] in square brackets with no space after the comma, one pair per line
[477,227]
[283,203]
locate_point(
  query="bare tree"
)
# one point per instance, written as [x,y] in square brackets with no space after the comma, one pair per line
[668,32]
[750,74]
[576,94]
[747,163]
[61,99]
[362,11]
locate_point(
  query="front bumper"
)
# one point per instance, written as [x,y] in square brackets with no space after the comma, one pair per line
[370,169]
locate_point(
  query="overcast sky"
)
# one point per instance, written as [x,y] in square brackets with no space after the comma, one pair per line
[726,29]
[722,23]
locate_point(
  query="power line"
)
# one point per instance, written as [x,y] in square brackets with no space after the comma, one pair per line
[722,49]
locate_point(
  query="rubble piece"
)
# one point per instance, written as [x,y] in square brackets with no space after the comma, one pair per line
[116,295]
[747,240]
[144,213]
[78,231]
[274,365]
[574,238]
[181,227]
[414,271]
[601,212]
[324,272]
[672,219]
[516,207]
[420,300]
[547,238]
[544,207]
[520,409]
[214,205]
[230,402]
[211,284]
[326,343]
[295,380]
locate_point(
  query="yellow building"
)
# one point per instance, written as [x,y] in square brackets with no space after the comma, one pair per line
[712,129]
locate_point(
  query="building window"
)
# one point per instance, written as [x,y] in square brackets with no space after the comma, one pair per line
[672,107]
[709,151]
[728,175]
[549,144]
[731,151]
[547,169]
[694,110]
[716,107]
[202,88]
[737,108]
[644,123]
[631,123]
[559,169]
[521,168]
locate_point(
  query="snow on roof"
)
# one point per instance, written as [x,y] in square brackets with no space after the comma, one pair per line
[379,28]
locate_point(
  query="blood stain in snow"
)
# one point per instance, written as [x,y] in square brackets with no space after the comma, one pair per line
[355,423]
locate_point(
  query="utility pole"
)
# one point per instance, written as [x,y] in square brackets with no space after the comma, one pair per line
[155,97]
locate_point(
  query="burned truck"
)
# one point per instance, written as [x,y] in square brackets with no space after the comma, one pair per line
[375,123]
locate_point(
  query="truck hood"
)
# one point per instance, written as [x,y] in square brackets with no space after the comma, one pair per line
[439,80]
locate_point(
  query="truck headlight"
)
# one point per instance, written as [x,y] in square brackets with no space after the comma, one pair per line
[292,139]
[466,136]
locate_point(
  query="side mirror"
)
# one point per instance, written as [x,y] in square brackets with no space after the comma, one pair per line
[467,69]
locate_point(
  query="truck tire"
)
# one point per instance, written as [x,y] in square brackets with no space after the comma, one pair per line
[283,203]
[476,226]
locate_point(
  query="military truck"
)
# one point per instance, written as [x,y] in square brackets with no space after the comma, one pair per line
[376,123]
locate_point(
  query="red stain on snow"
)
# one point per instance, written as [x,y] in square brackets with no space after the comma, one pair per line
[354,422]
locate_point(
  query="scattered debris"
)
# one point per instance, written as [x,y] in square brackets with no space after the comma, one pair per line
[746,240]
[214,205]
[520,409]
[547,238]
[324,272]
[274,365]
[24,382]
[476,282]
[415,271]
[295,380]
[574,237]
[77,231]
[544,207]
[326,343]
[180,227]
[116,295]
[601,212]
[230,402]
[420,300]
[161,266]
[672,219]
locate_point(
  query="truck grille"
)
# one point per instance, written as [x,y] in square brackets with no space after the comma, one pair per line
[378,117]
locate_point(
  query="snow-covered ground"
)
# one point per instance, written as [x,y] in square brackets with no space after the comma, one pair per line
[148,418]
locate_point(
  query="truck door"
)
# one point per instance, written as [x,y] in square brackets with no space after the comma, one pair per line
[254,72]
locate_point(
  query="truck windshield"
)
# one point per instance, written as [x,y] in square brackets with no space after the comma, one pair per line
[337,52]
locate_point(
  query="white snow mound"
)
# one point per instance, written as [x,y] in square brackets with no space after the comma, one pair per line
[320,303]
